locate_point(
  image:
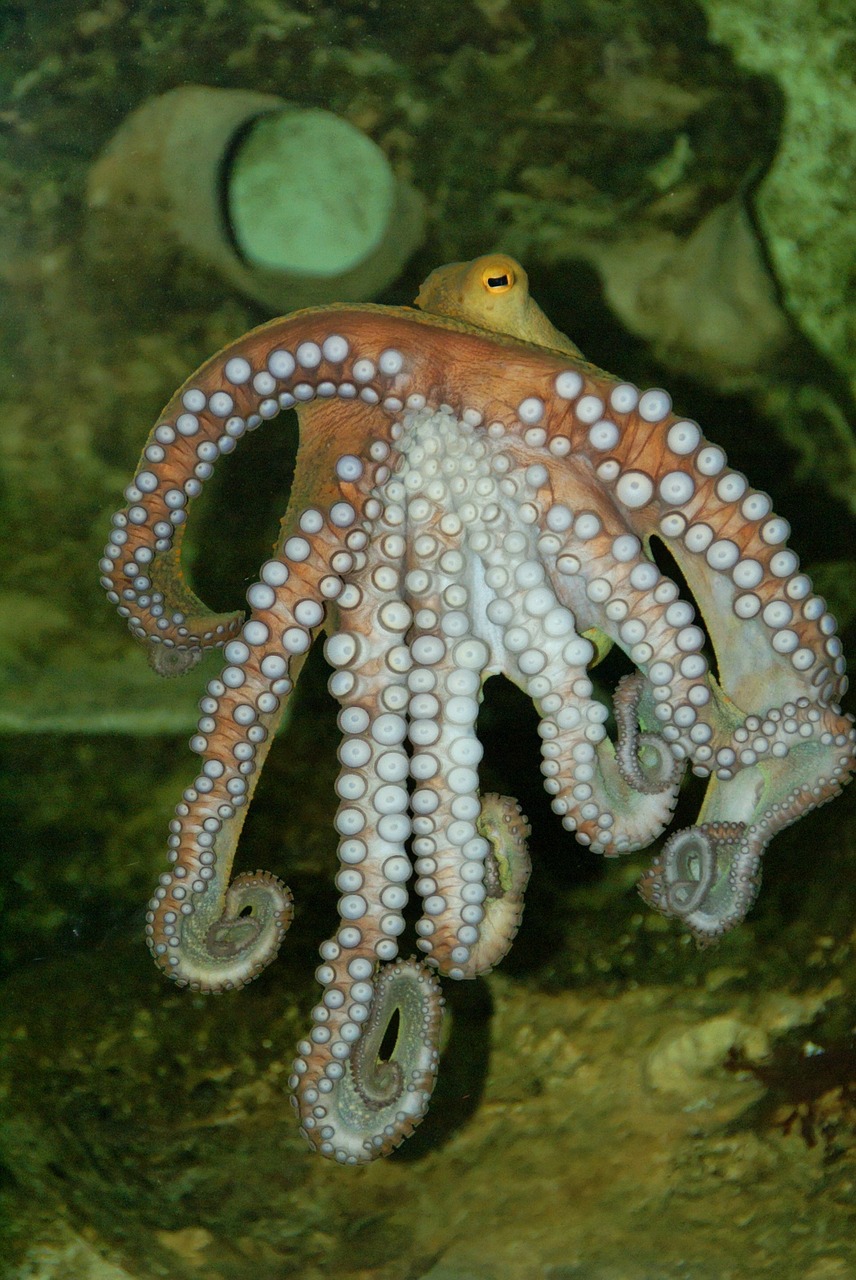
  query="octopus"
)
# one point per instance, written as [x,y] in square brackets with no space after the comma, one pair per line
[471,497]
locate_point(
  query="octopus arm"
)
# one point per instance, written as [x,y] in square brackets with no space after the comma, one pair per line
[353,1102]
[285,363]
[765,635]
[775,767]
[365,1101]
[615,797]
[767,731]
[203,931]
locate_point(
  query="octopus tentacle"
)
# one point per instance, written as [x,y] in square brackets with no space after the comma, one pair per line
[196,928]
[590,792]
[469,937]
[707,876]
[504,826]
[202,932]
[664,478]
[283,364]
[451,853]
[361,1106]
[466,927]
[643,759]
[546,656]
[600,571]
[809,763]
[351,1105]
[445,685]
[445,661]
[746,580]
[410,990]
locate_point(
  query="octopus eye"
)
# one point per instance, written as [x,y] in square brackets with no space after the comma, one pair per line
[497,279]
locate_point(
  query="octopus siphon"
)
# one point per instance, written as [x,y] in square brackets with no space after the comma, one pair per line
[471,497]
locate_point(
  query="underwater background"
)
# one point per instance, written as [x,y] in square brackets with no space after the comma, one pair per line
[679,180]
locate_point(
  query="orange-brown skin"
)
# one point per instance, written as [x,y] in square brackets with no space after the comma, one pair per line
[470,496]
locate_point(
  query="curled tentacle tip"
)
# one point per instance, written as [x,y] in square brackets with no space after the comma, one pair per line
[170,661]
[257,912]
[505,827]
[645,761]
[656,768]
[213,952]
[364,1102]
[706,876]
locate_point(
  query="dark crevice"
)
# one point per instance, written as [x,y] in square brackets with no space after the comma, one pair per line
[668,565]
[234,524]
[390,1037]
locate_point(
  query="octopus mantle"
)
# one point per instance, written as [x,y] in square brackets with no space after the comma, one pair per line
[471,497]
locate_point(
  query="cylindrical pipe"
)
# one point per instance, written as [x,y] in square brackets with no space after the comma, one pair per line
[290,206]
